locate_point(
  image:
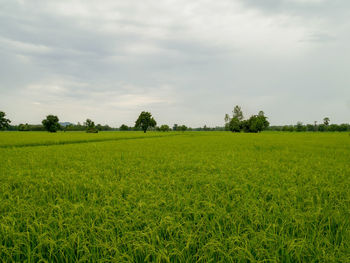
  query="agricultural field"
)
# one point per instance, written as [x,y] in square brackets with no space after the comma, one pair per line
[174,197]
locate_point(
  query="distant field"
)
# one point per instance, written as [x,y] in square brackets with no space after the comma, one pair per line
[193,197]
[20,139]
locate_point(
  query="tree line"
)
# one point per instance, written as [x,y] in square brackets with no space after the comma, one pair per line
[323,127]
[234,123]
[237,123]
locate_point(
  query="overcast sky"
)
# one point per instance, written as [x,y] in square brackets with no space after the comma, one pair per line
[188,62]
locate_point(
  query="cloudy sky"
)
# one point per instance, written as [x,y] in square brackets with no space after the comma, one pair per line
[188,62]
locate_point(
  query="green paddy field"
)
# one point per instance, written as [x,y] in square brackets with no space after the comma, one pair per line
[174,197]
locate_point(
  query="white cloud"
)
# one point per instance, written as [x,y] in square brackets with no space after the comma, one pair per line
[186,61]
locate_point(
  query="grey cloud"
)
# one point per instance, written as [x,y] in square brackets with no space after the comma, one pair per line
[313,8]
[319,38]
[185,62]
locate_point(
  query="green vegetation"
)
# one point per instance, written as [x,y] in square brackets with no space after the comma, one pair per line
[4,122]
[15,140]
[51,123]
[236,123]
[164,128]
[124,127]
[90,126]
[144,121]
[193,197]
[255,124]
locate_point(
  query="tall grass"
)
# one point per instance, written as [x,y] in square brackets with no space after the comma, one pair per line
[202,197]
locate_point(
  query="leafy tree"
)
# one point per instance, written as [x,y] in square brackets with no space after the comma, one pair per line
[322,127]
[289,128]
[175,127]
[183,128]
[23,127]
[333,127]
[123,127]
[101,127]
[90,126]
[4,122]
[263,123]
[145,120]
[299,127]
[235,125]
[285,128]
[51,123]
[164,128]
[237,113]
[255,123]
[344,127]
[326,121]
[310,127]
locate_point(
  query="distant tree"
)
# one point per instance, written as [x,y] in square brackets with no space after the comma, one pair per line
[310,127]
[227,122]
[322,128]
[4,122]
[255,123]
[183,128]
[263,123]
[326,121]
[51,123]
[123,127]
[89,123]
[285,128]
[23,127]
[237,113]
[235,125]
[344,127]
[299,127]
[164,128]
[175,127]
[144,121]
[90,126]
[333,127]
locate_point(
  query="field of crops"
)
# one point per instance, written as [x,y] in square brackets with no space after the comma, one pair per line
[174,197]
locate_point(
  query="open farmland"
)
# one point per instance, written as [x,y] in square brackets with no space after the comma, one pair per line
[178,197]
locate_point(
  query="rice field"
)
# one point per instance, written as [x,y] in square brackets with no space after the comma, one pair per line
[174,197]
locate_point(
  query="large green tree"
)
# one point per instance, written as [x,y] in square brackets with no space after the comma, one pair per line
[235,125]
[144,121]
[4,122]
[51,123]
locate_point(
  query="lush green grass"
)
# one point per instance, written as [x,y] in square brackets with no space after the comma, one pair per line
[207,197]
[23,139]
